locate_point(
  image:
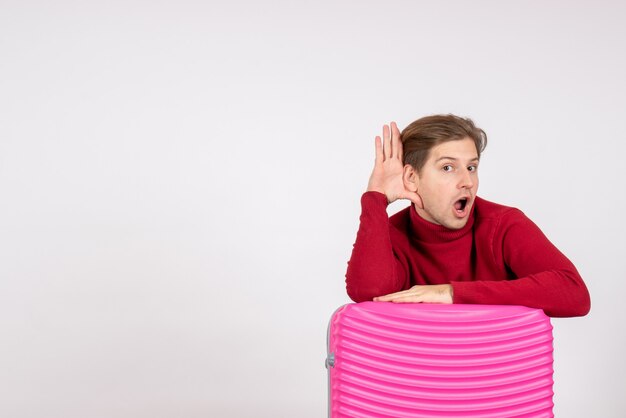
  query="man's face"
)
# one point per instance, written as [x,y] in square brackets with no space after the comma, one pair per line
[448,183]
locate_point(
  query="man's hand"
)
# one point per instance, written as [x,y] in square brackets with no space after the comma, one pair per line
[386,177]
[435,293]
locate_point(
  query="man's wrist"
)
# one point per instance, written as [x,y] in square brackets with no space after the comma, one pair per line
[377,195]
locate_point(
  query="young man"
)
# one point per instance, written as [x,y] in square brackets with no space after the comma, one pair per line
[451,246]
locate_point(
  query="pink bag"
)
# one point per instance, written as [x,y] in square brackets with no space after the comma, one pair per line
[432,361]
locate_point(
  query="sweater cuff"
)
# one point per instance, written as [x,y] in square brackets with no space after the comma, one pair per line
[374,198]
[461,293]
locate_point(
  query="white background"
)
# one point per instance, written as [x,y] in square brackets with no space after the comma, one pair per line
[180,183]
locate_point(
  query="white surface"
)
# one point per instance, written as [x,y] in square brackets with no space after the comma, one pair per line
[180,183]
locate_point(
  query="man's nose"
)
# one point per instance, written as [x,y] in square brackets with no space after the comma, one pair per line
[466,181]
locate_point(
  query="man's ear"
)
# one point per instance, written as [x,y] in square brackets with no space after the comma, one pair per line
[410,178]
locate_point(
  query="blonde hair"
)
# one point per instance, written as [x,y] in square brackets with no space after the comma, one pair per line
[425,133]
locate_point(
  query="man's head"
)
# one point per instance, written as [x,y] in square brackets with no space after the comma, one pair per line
[424,134]
[441,155]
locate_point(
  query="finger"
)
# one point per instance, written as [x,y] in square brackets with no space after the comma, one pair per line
[425,298]
[414,198]
[395,141]
[391,296]
[379,150]
[385,298]
[418,201]
[386,142]
[408,299]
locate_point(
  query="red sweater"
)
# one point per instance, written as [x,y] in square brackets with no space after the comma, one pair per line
[500,257]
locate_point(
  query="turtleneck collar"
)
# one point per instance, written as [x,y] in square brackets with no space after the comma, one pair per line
[426,231]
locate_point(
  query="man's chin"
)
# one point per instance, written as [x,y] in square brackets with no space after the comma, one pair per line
[456,223]
[449,222]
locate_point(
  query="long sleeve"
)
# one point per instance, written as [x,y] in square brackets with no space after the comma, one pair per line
[373,269]
[546,279]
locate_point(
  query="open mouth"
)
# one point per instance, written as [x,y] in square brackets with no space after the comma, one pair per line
[460,204]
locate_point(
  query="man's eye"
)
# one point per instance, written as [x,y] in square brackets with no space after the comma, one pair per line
[472,168]
[447,167]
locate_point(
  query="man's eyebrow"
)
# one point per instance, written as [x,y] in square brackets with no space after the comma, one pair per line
[454,159]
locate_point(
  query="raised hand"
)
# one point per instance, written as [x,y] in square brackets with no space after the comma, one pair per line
[386,176]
